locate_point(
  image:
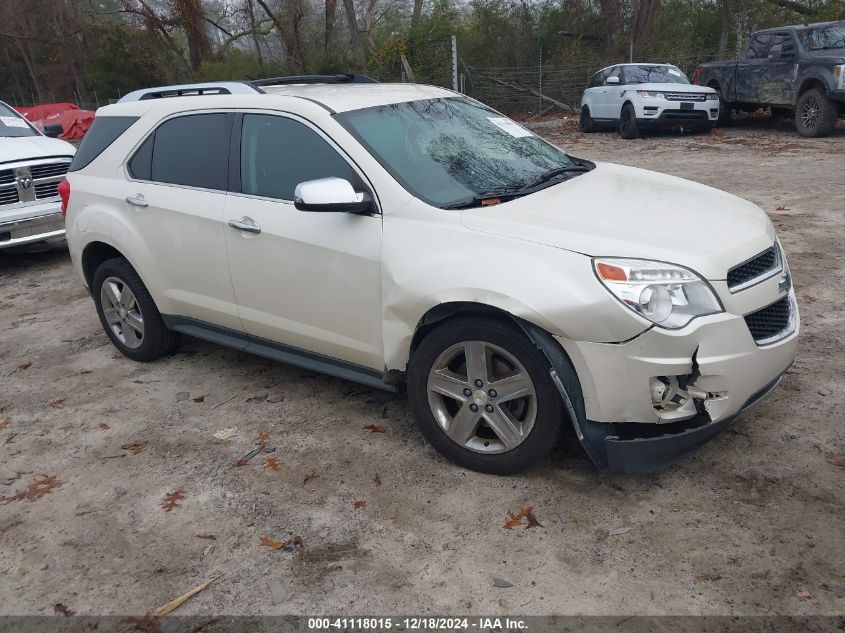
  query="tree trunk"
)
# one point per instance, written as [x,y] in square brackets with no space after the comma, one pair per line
[26,53]
[417,14]
[644,11]
[290,38]
[725,15]
[255,41]
[355,35]
[331,8]
[189,14]
[611,11]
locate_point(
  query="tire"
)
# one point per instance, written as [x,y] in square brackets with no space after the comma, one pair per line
[538,414]
[815,114]
[628,122]
[586,121]
[122,314]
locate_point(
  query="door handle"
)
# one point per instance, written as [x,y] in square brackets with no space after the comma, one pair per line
[246,228]
[137,201]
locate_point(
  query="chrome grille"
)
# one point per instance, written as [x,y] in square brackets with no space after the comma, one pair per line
[31,183]
[751,271]
[685,96]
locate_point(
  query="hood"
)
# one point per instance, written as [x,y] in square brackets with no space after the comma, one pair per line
[657,87]
[617,211]
[29,147]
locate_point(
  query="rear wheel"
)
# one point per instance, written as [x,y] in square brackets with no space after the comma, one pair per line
[128,313]
[815,114]
[482,395]
[628,128]
[586,122]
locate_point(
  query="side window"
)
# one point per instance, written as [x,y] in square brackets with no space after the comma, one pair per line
[758,45]
[784,40]
[191,150]
[103,132]
[278,153]
[615,72]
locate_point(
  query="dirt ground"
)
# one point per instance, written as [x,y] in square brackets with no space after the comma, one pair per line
[744,526]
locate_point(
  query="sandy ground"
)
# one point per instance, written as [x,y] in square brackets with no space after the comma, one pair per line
[741,527]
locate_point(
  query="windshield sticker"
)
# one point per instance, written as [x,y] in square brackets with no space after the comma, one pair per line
[12,121]
[672,71]
[506,125]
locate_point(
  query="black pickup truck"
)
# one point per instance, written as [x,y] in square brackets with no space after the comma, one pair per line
[796,70]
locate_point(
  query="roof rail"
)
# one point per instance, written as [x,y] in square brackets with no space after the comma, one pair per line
[341,78]
[183,90]
[241,87]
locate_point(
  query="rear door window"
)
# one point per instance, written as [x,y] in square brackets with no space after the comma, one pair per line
[758,45]
[190,150]
[104,131]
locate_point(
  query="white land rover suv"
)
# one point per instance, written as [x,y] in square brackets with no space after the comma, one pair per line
[633,97]
[31,167]
[408,235]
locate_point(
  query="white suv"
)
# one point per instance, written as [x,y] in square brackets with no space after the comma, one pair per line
[31,167]
[633,97]
[408,235]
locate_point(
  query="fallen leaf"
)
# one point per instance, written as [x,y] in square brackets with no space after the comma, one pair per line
[6,422]
[40,486]
[835,459]
[271,543]
[527,513]
[272,463]
[172,500]
[57,404]
[708,577]
[309,477]
[82,372]
[104,426]
[178,602]
[262,438]
[377,480]
[804,595]
[199,399]
[59,608]
[135,447]
[360,504]
[375,428]
[208,537]
[225,434]
[25,365]
[241,462]
[781,208]
[809,298]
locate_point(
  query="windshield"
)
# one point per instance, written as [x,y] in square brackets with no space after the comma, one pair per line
[13,124]
[646,74]
[823,38]
[445,151]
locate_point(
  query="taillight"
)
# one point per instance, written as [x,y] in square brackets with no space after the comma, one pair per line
[696,75]
[64,193]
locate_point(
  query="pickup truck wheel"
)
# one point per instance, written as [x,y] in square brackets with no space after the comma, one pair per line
[628,123]
[483,397]
[586,122]
[815,114]
[128,313]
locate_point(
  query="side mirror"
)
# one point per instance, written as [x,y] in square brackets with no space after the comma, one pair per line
[612,80]
[53,130]
[331,194]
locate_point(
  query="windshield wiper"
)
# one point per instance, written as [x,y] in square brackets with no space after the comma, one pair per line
[554,173]
[502,195]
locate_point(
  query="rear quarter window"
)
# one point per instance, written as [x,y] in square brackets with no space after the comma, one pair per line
[104,131]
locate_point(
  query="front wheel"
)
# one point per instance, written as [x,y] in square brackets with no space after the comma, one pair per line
[586,122]
[628,123]
[128,313]
[483,397]
[815,114]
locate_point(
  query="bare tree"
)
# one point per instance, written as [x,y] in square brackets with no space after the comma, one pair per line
[644,11]
[358,52]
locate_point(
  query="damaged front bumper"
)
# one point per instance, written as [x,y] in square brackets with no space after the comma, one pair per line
[651,400]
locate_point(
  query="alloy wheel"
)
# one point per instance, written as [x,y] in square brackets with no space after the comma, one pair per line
[482,397]
[810,113]
[122,312]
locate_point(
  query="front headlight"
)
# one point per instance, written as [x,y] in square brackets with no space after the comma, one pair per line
[651,94]
[839,75]
[668,295]
[712,96]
